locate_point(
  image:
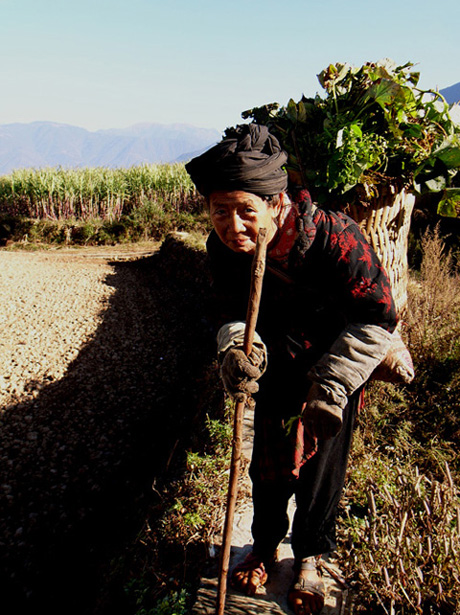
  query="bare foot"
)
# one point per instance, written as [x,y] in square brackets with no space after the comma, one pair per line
[249,575]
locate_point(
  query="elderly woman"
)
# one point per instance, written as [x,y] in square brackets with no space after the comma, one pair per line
[325,323]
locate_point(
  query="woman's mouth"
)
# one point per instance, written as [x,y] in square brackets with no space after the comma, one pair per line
[238,241]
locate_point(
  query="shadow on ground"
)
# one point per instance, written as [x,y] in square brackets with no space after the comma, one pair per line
[78,461]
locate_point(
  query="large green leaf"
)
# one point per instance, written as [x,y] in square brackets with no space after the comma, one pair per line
[449,152]
[385,92]
[291,111]
[333,74]
[301,112]
[412,130]
[449,205]
[436,184]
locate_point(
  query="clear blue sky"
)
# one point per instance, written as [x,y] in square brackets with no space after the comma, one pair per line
[114,63]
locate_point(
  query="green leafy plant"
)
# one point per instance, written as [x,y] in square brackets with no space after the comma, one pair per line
[138,591]
[194,514]
[374,127]
[174,604]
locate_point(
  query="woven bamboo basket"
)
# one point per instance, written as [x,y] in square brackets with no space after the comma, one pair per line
[385,224]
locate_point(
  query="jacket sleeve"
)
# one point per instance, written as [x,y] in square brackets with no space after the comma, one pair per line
[364,283]
[367,300]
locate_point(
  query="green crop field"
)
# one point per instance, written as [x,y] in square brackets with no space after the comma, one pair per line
[102,206]
[58,194]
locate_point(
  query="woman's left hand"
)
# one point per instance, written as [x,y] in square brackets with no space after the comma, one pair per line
[321,414]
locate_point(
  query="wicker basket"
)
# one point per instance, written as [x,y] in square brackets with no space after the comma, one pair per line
[385,224]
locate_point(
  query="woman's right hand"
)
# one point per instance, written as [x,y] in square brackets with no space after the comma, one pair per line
[239,372]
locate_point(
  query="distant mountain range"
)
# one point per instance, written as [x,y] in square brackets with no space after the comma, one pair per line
[48,144]
[452,93]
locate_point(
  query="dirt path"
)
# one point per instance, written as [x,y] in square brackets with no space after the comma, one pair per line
[270,599]
[97,361]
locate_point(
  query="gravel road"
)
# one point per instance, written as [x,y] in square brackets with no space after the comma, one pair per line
[51,307]
[98,360]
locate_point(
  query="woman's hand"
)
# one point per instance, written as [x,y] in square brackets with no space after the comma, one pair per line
[321,413]
[239,372]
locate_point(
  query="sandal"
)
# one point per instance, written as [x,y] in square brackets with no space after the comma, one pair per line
[251,573]
[306,595]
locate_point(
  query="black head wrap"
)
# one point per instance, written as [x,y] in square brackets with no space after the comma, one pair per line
[248,158]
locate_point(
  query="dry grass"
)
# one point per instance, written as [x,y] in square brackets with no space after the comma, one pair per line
[433,324]
[400,546]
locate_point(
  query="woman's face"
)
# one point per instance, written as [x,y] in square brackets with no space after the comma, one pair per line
[237,217]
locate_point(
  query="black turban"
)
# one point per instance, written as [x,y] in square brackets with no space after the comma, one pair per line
[248,158]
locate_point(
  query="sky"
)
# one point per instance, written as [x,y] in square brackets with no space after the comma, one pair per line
[113,63]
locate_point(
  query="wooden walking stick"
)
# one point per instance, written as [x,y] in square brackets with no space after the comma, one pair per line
[257,274]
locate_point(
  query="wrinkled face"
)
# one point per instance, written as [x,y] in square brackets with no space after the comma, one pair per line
[237,217]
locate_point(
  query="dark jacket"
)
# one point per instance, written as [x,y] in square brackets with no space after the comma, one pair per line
[330,279]
[337,281]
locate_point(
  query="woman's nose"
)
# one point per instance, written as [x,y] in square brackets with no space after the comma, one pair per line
[237,224]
